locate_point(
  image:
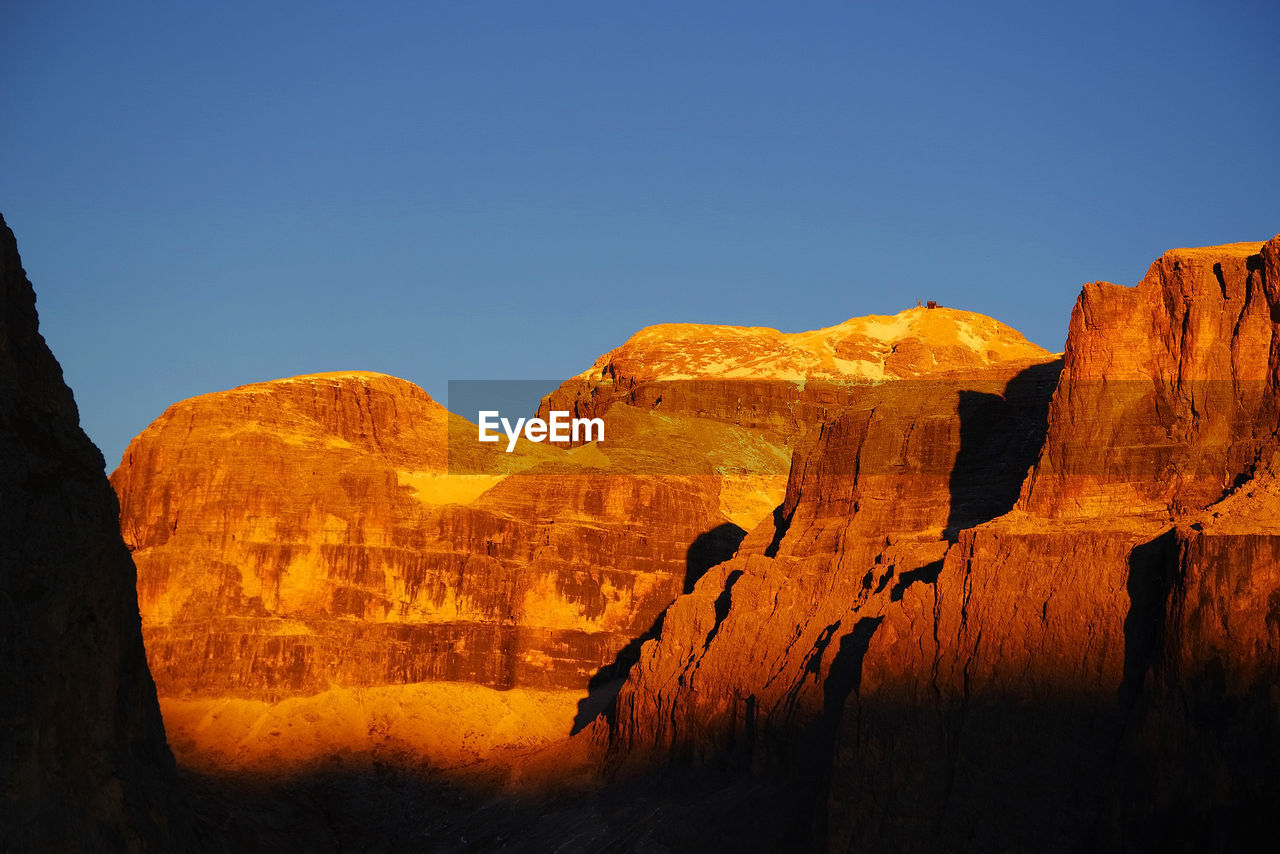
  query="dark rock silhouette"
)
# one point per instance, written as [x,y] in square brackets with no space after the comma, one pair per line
[83,761]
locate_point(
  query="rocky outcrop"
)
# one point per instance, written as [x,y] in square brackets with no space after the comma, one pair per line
[1047,622]
[1168,390]
[83,760]
[1019,683]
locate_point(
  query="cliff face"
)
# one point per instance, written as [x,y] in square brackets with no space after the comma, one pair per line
[83,757]
[1168,391]
[1087,669]
[872,506]
[296,535]
[302,539]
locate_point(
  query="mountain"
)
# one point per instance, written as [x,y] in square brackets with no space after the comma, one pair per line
[83,761]
[783,383]
[1091,670]
[320,569]
[907,583]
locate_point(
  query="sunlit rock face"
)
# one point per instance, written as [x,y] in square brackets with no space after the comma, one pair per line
[1168,390]
[308,536]
[304,534]
[83,760]
[785,382]
[304,538]
[1094,668]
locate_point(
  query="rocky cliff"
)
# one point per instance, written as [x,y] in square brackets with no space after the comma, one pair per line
[1003,601]
[1086,670]
[1167,393]
[304,537]
[906,583]
[83,760]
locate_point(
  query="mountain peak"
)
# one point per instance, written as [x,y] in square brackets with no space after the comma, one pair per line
[915,342]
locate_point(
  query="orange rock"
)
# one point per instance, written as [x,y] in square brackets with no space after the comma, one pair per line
[1016,684]
[302,534]
[1166,388]
[306,535]
[784,382]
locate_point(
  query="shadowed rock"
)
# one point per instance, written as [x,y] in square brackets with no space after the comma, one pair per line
[83,760]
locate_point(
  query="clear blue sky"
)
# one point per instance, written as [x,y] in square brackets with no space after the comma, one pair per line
[212,194]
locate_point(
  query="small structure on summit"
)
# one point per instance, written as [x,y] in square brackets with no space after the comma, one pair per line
[931,304]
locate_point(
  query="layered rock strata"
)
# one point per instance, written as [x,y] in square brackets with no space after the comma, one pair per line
[304,534]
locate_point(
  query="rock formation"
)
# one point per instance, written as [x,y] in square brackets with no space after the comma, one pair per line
[1092,669]
[304,537]
[1000,600]
[784,383]
[83,760]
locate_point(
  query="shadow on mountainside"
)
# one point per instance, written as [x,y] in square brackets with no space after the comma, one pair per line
[708,549]
[1148,587]
[1000,438]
